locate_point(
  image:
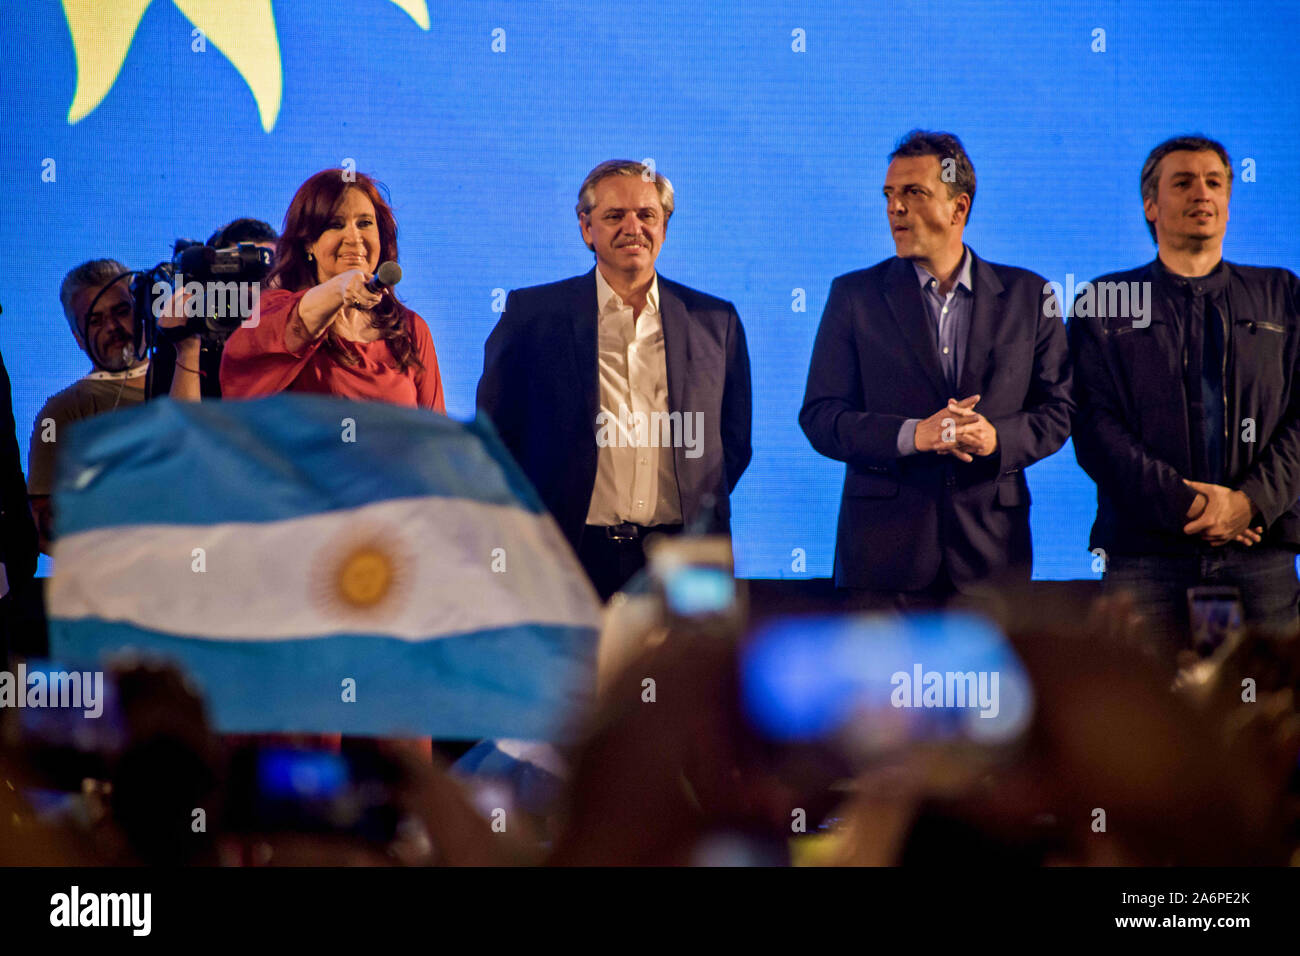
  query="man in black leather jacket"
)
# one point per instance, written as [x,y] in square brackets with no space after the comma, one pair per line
[1188,408]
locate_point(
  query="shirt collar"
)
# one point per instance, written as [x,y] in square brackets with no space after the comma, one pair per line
[135,371]
[963,272]
[607,298]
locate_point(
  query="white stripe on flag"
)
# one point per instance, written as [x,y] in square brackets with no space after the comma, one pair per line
[412,568]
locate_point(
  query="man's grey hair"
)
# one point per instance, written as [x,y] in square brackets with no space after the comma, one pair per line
[624,167]
[92,274]
[1150,179]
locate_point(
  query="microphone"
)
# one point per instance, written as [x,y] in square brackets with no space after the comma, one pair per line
[388,274]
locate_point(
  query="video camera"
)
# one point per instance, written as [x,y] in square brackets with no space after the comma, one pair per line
[221,287]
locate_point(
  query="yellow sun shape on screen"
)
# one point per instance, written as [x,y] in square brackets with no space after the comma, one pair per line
[243,30]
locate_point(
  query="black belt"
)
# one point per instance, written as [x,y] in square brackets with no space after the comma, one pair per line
[627,531]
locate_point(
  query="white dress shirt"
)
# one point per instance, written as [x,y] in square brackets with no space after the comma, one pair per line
[636,478]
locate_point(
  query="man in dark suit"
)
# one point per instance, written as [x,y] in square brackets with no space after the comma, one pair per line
[623,396]
[18,547]
[938,378]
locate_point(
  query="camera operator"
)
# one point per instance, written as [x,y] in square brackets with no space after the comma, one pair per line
[100,311]
[191,368]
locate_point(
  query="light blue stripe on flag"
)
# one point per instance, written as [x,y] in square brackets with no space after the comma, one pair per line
[532,679]
[269,459]
[341,542]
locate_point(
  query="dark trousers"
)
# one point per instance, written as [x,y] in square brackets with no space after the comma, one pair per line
[611,556]
[937,594]
[1266,578]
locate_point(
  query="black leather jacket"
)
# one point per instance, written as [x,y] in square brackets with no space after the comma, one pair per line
[1135,434]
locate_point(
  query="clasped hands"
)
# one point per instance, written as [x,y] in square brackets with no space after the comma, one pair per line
[957,430]
[1219,515]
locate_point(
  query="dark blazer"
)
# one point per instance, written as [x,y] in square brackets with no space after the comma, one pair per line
[18,548]
[875,364]
[540,389]
[1132,427]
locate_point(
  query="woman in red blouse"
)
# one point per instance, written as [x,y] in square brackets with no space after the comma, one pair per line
[320,329]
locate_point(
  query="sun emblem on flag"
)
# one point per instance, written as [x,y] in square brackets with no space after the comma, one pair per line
[364,573]
[365,577]
[243,30]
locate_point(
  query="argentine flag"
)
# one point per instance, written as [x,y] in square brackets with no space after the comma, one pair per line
[323,565]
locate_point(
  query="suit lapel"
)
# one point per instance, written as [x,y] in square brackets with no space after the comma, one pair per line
[584,311]
[677,344]
[903,294]
[676,324]
[983,326]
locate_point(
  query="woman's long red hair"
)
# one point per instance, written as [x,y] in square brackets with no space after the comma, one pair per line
[308,217]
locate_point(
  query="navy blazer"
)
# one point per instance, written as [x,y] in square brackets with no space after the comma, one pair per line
[875,363]
[540,389]
[18,547]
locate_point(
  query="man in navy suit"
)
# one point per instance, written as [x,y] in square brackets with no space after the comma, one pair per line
[938,378]
[623,396]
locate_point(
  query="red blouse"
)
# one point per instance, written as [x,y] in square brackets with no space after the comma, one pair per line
[257,362]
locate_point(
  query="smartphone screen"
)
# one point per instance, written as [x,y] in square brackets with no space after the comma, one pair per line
[296,775]
[695,577]
[885,682]
[1215,615]
[699,590]
[310,791]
